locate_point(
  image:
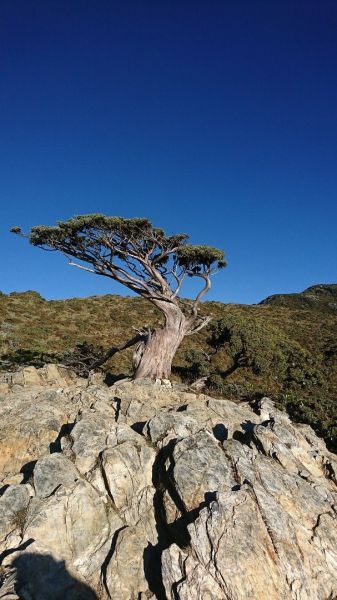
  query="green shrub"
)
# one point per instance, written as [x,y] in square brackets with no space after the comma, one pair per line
[198,364]
[25,358]
[320,413]
[216,383]
[264,349]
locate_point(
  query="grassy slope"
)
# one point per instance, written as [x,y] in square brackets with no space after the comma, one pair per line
[30,322]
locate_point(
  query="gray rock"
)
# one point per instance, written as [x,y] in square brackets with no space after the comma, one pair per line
[128,473]
[13,504]
[30,420]
[40,576]
[161,493]
[125,576]
[89,439]
[199,468]
[171,425]
[52,471]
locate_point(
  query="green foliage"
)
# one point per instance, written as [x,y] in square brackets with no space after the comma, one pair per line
[192,256]
[198,364]
[79,359]
[321,298]
[216,383]
[264,349]
[20,519]
[240,390]
[275,364]
[79,228]
[22,357]
[330,352]
[319,413]
[97,230]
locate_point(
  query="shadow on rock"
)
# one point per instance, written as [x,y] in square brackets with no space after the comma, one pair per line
[220,432]
[27,471]
[110,378]
[168,533]
[40,576]
[64,431]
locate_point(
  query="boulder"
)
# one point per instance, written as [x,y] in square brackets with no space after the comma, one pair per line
[52,471]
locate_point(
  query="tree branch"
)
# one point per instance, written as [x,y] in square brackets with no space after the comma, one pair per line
[73,264]
[114,349]
[203,291]
[204,321]
[178,288]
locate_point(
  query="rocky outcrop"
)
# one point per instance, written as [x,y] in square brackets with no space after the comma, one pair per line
[145,490]
[35,406]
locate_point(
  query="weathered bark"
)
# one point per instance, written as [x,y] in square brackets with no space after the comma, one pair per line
[156,349]
[156,353]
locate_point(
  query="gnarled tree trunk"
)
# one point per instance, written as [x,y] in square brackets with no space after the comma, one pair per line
[156,353]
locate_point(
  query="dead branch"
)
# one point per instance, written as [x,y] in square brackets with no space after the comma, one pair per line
[141,336]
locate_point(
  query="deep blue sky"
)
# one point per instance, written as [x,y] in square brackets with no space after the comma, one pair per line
[214,118]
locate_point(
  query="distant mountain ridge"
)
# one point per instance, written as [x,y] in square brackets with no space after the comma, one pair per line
[321,297]
[320,292]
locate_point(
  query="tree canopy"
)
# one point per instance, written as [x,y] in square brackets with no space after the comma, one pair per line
[131,251]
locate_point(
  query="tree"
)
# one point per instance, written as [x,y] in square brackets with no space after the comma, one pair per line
[148,262]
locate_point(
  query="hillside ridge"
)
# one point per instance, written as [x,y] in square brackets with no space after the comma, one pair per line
[321,296]
[291,350]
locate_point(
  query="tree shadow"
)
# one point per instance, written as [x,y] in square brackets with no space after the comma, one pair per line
[112,378]
[245,436]
[40,576]
[220,432]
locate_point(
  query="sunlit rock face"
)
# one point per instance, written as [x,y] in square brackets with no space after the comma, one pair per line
[143,490]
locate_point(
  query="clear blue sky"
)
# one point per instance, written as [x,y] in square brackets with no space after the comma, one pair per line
[214,118]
